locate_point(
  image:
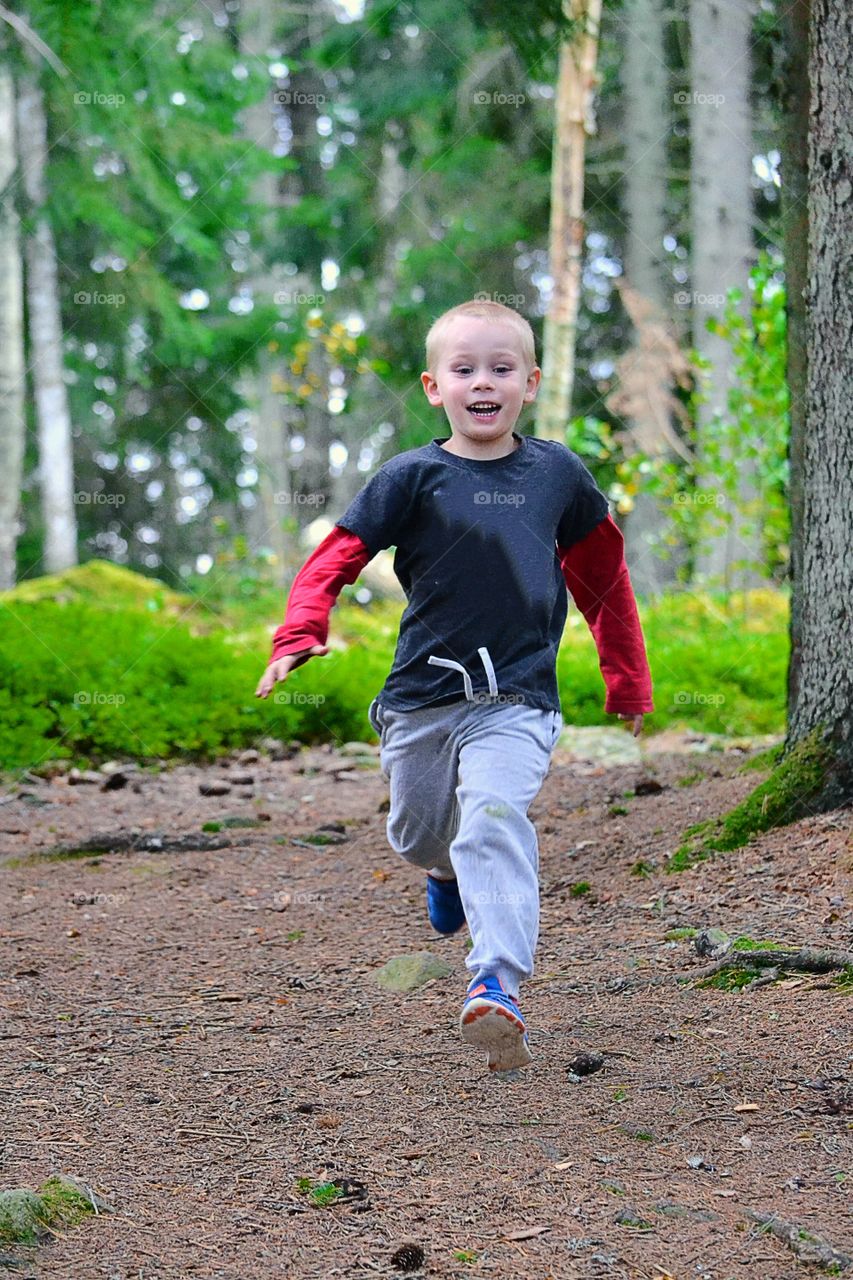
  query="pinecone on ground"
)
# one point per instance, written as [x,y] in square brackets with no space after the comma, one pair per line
[409,1257]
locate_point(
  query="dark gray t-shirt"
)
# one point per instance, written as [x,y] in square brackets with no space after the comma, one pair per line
[476,556]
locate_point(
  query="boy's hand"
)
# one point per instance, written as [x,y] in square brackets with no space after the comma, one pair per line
[638,722]
[282,667]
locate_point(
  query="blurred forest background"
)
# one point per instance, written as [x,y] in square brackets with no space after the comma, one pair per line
[227,229]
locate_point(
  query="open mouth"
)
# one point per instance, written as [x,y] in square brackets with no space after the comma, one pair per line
[485,410]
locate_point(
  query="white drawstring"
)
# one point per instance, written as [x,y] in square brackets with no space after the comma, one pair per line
[457,666]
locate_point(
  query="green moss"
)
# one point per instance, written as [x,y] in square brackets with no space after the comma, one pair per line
[642,869]
[764,759]
[630,1219]
[749,944]
[212,826]
[581,889]
[690,778]
[617,810]
[54,855]
[25,1216]
[64,1204]
[843,981]
[680,935]
[781,799]
[22,1216]
[729,980]
[99,582]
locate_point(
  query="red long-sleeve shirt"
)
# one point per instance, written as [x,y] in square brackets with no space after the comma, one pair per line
[595,573]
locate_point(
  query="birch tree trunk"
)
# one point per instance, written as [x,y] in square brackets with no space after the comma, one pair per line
[823,693]
[572,122]
[257,29]
[12,420]
[721,233]
[646,123]
[53,417]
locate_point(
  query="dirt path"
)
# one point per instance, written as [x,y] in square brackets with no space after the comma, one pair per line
[192,1033]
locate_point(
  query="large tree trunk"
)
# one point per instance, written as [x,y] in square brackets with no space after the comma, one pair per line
[572,122]
[721,234]
[56,468]
[823,692]
[12,420]
[646,122]
[795,223]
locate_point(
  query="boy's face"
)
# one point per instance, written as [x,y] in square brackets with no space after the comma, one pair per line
[480,363]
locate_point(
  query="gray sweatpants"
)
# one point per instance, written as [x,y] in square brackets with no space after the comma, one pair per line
[462,779]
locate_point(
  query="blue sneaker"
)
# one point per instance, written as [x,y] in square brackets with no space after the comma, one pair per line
[491,1020]
[444,905]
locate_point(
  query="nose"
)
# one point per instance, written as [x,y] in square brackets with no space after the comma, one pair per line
[482,380]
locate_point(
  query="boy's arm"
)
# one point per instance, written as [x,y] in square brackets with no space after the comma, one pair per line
[597,577]
[339,559]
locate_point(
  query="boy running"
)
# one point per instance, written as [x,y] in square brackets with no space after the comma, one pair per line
[490,528]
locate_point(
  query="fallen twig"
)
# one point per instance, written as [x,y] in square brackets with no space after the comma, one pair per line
[802,959]
[139,842]
[807,1246]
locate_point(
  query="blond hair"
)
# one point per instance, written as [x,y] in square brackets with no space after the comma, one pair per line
[481,309]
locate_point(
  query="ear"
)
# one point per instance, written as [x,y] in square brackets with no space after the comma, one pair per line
[533,379]
[430,386]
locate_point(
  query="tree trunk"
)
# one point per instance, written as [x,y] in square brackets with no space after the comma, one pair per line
[795,224]
[12,419]
[646,122]
[257,30]
[721,233]
[56,467]
[823,693]
[572,122]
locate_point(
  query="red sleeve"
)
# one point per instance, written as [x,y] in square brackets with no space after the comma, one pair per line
[338,559]
[597,576]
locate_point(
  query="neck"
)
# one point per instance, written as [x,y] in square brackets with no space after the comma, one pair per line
[487,451]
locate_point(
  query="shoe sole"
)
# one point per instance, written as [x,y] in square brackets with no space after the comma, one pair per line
[447,933]
[494,1029]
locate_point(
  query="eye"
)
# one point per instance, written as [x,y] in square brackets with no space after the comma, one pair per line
[505,368]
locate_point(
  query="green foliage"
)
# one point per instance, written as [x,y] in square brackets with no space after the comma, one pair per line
[580,890]
[132,685]
[718,665]
[704,499]
[320,1194]
[101,663]
[325,1193]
